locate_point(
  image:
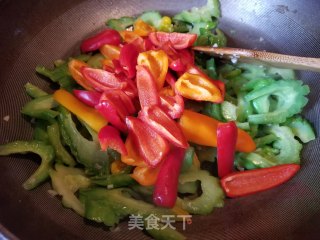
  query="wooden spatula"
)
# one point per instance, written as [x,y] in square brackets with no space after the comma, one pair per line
[273,59]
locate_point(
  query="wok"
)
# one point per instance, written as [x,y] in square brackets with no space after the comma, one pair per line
[38,32]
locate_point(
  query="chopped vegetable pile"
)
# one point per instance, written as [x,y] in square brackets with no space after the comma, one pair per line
[139,113]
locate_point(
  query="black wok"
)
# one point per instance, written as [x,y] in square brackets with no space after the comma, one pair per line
[38,32]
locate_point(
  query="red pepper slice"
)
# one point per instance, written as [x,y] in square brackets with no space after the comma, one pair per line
[108,36]
[102,80]
[161,123]
[175,62]
[152,147]
[166,187]
[115,98]
[115,105]
[110,137]
[171,80]
[187,56]
[172,105]
[178,40]
[182,59]
[117,68]
[91,98]
[147,88]
[131,88]
[195,70]
[110,112]
[221,86]
[227,134]
[139,43]
[168,48]
[251,181]
[179,60]
[127,102]
[128,59]
[148,45]
[116,71]
[133,158]
[178,65]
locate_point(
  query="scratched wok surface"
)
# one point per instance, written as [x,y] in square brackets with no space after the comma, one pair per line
[39,32]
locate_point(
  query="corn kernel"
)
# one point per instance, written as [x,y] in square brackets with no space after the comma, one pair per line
[166,24]
[166,20]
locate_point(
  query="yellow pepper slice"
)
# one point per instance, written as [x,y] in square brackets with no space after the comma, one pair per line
[202,130]
[198,87]
[157,61]
[87,114]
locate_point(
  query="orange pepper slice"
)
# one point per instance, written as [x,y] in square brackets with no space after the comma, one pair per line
[133,157]
[202,130]
[108,63]
[198,87]
[85,113]
[167,91]
[145,176]
[74,67]
[157,62]
[110,51]
[129,36]
[117,167]
[142,28]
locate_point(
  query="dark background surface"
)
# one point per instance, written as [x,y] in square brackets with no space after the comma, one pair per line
[39,32]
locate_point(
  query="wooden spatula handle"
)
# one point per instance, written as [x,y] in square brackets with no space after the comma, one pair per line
[273,59]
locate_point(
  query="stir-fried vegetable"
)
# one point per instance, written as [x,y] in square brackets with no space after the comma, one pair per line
[165,191]
[252,181]
[46,152]
[212,195]
[137,117]
[226,146]
[290,97]
[202,130]
[66,181]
